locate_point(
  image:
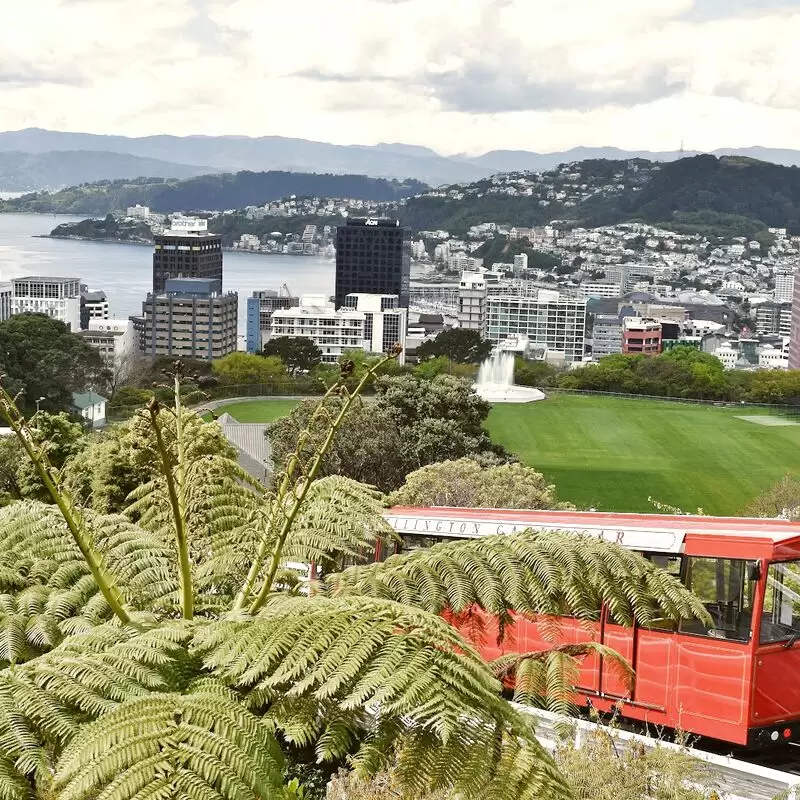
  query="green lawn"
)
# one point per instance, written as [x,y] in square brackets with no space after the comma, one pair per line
[613,453]
[258,410]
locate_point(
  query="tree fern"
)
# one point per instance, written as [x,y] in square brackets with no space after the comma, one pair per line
[106,692]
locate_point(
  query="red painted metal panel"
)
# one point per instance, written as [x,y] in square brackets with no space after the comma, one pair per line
[776,691]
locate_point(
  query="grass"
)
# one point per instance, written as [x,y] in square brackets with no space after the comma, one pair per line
[612,454]
[257,410]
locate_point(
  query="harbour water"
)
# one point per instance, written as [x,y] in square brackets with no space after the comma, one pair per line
[125,271]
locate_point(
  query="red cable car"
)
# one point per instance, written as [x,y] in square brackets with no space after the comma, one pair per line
[738,681]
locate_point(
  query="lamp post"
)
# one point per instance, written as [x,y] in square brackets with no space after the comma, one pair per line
[41,399]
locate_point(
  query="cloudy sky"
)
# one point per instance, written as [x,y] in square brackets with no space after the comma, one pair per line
[455,75]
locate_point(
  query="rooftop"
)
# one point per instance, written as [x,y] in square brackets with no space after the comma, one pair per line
[82,400]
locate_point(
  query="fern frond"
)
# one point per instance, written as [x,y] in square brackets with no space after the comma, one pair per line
[358,652]
[547,678]
[198,745]
[52,593]
[534,574]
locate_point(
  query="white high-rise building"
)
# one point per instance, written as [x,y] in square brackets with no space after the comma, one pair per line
[59,298]
[114,338]
[520,263]
[784,284]
[370,322]
[385,323]
[606,336]
[547,319]
[472,300]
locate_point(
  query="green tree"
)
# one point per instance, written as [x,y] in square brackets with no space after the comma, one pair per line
[116,461]
[419,421]
[175,656]
[461,345]
[781,500]
[298,353]
[40,357]
[61,438]
[358,450]
[241,369]
[467,484]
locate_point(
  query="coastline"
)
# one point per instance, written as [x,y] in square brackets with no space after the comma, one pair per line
[150,244]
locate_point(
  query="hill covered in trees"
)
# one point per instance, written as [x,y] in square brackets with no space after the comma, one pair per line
[209,192]
[726,196]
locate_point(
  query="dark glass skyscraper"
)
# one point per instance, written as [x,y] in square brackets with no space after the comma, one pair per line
[373,256]
[190,254]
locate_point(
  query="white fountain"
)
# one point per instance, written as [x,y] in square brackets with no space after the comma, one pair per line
[496,381]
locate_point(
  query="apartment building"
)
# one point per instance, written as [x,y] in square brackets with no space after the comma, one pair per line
[191,318]
[547,318]
[59,298]
[606,336]
[784,284]
[641,336]
[773,318]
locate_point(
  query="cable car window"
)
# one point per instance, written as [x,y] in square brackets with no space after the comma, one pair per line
[672,565]
[724,587]
[780,620]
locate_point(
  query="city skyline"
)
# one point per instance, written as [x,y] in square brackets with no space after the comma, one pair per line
[467,76]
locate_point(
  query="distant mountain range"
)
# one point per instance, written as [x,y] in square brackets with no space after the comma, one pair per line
[35,158]
[26,172]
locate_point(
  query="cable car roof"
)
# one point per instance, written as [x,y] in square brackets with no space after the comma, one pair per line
[665,533]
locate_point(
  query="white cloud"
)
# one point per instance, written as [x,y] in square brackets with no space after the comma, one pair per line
[457,75]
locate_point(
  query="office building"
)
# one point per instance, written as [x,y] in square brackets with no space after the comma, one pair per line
[116,339]
[606,336]
[773,318]
[373,256]
[59,298]
[333,330]
[365,322]
[794,339]
[259,314]
[641,336]
[94,305]
[191,318]
[599,289]
[471,300]
[187,250]
[784,284]
[137,323]
[385,323]
[548,319]
[6,293]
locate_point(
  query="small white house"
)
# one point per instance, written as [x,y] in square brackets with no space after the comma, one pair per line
[91,406]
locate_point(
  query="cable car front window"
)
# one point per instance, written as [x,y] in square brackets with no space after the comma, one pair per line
[780,621]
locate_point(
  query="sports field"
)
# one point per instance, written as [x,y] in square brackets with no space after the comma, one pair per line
[614,453]
[257,410]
